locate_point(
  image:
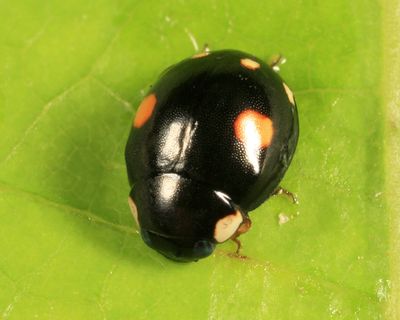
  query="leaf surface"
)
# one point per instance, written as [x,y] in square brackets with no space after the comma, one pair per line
[71,77]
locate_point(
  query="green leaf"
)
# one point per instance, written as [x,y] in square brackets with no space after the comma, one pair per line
[72,74]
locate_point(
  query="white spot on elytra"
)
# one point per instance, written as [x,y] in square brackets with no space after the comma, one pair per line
[227,226]
[132,205]
[289,93]
[201,55]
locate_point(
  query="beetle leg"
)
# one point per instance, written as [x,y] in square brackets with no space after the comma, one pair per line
[243,228]
[239,245]
[285,192]
[276,61]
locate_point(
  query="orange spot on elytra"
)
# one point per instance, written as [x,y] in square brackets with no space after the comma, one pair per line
[145,110]
[249,64]
[201,55]
[254,129]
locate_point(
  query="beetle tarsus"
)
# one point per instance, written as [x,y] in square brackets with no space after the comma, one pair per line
[276,61]
[237,254]
[280,191]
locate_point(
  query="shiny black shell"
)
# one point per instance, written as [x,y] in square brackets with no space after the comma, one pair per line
[191,131]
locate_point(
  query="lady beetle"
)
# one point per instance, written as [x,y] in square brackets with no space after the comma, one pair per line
[210,142]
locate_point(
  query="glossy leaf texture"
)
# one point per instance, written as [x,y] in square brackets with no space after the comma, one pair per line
[72,74]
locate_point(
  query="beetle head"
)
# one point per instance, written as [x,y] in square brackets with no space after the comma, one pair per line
[183,219]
